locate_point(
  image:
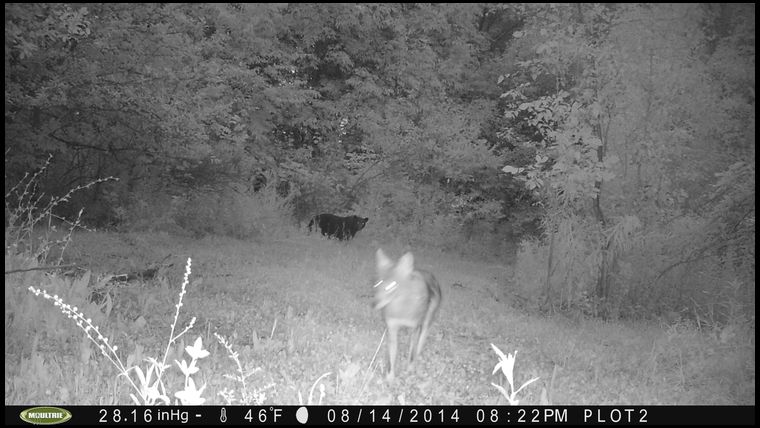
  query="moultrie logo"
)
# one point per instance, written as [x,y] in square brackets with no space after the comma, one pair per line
[45,415]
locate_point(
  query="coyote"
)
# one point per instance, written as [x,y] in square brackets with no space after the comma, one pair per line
[407,298]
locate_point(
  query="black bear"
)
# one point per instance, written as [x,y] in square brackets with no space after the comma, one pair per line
[343,228]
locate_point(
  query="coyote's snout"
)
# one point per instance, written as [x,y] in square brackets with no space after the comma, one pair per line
[407,298]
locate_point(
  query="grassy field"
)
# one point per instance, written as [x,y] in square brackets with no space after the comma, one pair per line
[298,308]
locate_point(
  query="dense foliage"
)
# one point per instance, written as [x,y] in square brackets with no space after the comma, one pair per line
[628,129]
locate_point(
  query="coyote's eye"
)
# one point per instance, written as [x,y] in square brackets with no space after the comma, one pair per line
[391,286]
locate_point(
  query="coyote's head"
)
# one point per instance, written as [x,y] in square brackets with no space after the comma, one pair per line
[390,276]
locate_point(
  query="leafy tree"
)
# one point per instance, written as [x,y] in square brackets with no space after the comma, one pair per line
[631,117]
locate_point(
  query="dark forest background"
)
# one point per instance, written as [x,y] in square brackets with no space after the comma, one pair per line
[610,149]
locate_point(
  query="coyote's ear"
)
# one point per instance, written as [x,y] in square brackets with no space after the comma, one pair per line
[383,262]
[405,265]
